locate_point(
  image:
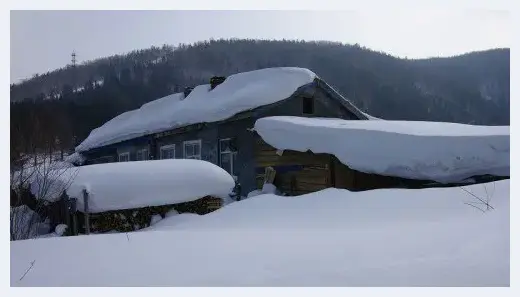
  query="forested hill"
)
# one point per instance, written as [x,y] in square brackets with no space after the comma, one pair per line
[471,88]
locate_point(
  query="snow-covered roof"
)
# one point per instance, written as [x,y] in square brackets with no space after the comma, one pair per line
[125,185]
[442,152]
[239,92]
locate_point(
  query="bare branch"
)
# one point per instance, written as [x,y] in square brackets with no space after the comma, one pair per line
[28,269]
[468,203]
[478,198]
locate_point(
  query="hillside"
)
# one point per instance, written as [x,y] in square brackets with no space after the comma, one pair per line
[471,88]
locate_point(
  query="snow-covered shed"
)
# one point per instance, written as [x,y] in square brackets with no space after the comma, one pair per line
[213,122]
[312,154]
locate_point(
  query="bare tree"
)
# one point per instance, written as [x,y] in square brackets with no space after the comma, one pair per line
[37,179]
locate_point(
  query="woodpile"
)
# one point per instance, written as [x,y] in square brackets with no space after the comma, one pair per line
[139,218]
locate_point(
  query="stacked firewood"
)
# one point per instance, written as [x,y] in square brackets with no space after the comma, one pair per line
[134,219]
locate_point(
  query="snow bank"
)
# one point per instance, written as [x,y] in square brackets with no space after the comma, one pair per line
[331,208]
[239,92]
[329,238]
[125,185]
[443,152]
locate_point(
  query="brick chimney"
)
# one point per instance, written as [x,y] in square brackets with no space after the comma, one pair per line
[216,80]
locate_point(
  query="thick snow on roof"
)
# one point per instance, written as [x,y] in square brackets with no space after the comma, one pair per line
[331,238]
[239,92]
[443,152]
[126,185]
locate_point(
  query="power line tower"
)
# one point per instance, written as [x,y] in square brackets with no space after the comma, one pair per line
[73,64]
[73,55]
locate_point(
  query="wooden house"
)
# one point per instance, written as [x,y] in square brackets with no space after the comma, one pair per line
[226,140]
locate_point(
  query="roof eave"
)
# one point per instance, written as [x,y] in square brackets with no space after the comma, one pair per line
[342,100]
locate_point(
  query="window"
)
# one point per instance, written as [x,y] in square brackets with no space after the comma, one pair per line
[167,151]
[101,160]
[124,157]
[192,149]
[228,155]
[141,155]
[308,105]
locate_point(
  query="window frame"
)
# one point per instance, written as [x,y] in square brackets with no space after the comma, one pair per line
[145,157]
[192,142]
[167,147]
[127,154]
[231,155]
[308,102]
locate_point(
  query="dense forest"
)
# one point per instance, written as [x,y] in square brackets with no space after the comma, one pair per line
[57,110]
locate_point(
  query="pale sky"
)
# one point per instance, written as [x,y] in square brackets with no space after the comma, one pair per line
[43,40]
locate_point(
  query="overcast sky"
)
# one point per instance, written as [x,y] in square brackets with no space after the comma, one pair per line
[43,40]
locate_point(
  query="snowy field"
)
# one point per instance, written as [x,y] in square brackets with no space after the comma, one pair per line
[334,237]
[443,152]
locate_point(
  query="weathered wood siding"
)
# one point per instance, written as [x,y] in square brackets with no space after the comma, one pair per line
[296,172]
[304,172]
[344,177]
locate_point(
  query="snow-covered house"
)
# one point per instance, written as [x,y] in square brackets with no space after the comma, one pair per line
[214,122]
[311,154]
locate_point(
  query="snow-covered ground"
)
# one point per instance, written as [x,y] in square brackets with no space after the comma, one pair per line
[443,152]
[391,237]
[239,92]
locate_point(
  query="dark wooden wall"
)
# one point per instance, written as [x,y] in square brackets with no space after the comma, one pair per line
[299,173]
[296,172]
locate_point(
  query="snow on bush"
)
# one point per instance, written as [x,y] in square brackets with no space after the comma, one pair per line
[171,213]
[155,219]
[238,93]
[60,229]
[443,152]
[126,185]
[50,184]
[75,158]
[334,237]
[44,168]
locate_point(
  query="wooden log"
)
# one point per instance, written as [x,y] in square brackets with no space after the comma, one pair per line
[65,201]
[270,174]
[86,212]
[73,210]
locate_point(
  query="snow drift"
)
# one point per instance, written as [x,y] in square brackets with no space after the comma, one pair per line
[239,92]
[126,185]
[442,152]
[334,237]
